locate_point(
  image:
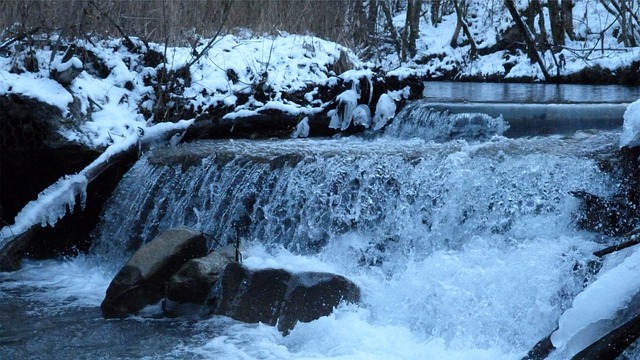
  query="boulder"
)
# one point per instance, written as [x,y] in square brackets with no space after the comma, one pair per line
[142,280]
[191,284]
[609,216]
[278,297]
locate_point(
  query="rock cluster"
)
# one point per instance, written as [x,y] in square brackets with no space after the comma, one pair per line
[175,266]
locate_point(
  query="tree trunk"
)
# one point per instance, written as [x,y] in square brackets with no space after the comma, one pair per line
[372,19]
[414,26]
[435,12]
[557,27]
[465,28]
[405,30]
[392,30]
[567,18]
[454,38]
[526,33]
[359,21]
[537,10]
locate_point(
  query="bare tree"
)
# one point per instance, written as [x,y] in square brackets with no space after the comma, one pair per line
[557,24]
[462,24]
[566,12]
[526,33]
[411,28]
[626,18]
[436,13]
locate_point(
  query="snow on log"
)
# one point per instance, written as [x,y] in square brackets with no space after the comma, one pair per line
[54,201]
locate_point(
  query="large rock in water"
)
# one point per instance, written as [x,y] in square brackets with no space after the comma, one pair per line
[277,297]
[192,283]
[142,280]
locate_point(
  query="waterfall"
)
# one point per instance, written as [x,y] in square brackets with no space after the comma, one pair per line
[463,241]
[410,196]
[421,120]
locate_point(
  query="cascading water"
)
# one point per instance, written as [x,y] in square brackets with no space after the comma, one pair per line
[464,249]
[420,120]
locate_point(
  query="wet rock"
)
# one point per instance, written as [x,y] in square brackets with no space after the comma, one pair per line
[191,284]
[278,297]
[142,280]
[612,217]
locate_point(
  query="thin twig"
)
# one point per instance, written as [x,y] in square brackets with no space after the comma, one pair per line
[620,246]
[227,10]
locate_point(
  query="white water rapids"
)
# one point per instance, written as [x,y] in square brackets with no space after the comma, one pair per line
[463,249]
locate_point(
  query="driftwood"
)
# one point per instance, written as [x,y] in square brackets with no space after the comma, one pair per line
[618,247]
[14,247]
[21,238]
[541,350]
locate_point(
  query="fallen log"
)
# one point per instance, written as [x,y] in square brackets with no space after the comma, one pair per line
[617,247]
[61,198]
[541,349]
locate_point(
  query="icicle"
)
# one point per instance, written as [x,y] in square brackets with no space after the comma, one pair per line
[51,205]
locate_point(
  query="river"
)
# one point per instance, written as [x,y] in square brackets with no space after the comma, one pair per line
[463,242]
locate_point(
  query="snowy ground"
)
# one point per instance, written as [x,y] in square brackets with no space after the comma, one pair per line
[487,19]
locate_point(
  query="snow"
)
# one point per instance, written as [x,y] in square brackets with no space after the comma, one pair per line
[385,111]
[630,136]
[602,300]
[33,85]
[53,203]
[60,66]
[50,206]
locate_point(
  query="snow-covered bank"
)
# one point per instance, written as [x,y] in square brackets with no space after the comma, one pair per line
[594,54]
[121,95]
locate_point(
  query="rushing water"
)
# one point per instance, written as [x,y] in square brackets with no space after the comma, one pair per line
[464,246]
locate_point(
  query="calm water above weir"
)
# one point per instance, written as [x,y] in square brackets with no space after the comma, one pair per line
[529,93]
[463,242]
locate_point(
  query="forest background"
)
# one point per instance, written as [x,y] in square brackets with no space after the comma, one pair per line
[388,33]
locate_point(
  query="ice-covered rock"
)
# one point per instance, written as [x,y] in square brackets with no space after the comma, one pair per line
[385,111]
[630,136]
